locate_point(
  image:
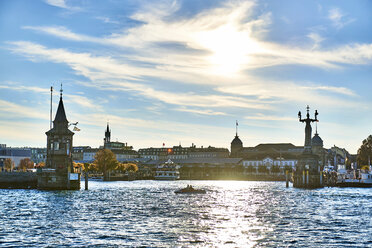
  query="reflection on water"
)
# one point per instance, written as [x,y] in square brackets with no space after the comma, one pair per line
[149,214]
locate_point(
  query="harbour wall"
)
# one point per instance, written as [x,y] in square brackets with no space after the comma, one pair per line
[18,180]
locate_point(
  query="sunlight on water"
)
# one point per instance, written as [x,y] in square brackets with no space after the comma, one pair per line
[150,214]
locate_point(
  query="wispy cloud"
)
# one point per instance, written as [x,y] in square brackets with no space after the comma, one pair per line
[200,111]
[264,117]
[84,102]
[107,20]
[57,3]
[61,4]
[13,110]
[338,18]
[283,91]
[216,48]
[18,87]
[217,42]
[316,38]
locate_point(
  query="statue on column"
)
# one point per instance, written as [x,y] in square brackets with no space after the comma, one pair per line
[308,120]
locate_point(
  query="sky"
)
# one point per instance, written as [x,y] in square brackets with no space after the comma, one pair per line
[183,72]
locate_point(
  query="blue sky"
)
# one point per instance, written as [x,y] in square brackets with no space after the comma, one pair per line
[183,71]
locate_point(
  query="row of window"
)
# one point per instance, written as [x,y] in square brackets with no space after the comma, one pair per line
[268,163]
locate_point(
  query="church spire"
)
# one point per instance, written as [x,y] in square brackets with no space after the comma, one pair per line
[107,134]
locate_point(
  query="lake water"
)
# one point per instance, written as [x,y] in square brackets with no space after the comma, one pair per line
[149,214]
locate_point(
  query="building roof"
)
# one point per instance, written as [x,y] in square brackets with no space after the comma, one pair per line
[236,141]
[275,146]
[316,140]
[199,161]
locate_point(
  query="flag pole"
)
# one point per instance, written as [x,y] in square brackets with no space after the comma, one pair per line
[51,100]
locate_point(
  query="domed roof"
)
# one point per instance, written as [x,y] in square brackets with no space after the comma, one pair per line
[316,140]
[236,141]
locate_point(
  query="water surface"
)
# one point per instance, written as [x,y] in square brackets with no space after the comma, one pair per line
[149,214]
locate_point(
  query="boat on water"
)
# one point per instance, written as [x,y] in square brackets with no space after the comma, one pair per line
[190,190]
[167,171]
[361,178]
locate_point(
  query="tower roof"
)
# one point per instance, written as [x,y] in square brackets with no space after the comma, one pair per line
[316,140]
[60,115]
[236,141]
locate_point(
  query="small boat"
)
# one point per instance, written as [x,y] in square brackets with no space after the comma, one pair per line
[190,190]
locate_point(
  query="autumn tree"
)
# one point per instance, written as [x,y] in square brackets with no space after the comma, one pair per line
[25,164]
[365,152]
[8,164]
[132,167]
[40,165]
[105,160]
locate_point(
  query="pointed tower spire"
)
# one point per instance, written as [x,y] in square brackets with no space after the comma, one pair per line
[61,114]
[107,134]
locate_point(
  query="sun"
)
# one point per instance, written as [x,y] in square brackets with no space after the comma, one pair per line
[230,48]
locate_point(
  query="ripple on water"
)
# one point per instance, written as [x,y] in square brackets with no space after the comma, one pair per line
[149,214]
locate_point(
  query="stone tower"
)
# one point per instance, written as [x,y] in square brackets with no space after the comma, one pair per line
[236,144]
[59,142]
[58,172]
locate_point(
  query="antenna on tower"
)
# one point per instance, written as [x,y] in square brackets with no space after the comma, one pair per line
[236,127]
[61,90]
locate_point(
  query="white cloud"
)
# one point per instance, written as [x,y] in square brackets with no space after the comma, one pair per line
[200,111]
[264,117]
[84,101]
[13,110]
[57,3]
[316,38]
[282,91]
[61,4]
[18,87]
[107,20]
[338,18]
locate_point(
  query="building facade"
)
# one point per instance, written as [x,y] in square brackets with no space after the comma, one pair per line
[14,153]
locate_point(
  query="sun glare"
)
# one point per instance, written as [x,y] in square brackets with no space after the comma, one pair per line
[230,49]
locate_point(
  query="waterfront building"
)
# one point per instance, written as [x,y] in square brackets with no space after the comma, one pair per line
[122,151]
[268,165]
[207,152]
[16,154]
[205,168]
[38,155]
[78,152]
[163,153]
[179,152]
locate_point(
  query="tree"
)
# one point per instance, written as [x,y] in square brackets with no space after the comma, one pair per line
[132,167]
[40,165]
[25,164]
[365,152]
[9,164]
[105,160]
